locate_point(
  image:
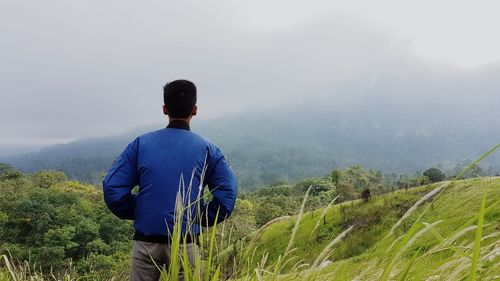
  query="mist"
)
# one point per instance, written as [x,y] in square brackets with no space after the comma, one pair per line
[87,69]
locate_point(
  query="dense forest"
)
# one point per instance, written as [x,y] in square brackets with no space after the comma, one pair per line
[50,222]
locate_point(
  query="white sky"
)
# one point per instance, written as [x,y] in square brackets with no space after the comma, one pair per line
[465,34]
[71,69]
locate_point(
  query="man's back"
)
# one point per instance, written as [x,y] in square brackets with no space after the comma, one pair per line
[163,163]
[171,166]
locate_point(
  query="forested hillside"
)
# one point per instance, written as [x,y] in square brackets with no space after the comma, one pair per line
[60,225]
[309,140]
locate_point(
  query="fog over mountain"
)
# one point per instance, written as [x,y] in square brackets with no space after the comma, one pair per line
[84,69]
[292,143]
[287,93]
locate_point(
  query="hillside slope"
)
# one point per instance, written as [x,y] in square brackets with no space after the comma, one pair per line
[415,251]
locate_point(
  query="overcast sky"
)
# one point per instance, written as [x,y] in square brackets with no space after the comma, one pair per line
[71,69]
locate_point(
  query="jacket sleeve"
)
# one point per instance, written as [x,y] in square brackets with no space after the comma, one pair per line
[119,182]
[221,182]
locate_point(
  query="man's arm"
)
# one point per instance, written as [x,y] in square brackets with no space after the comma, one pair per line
[119,182]
[222,184]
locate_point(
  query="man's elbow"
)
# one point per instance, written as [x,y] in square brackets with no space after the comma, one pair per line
[108,198]
[121,205]
[124,214]
[123,211]
[231,198]
[230,202]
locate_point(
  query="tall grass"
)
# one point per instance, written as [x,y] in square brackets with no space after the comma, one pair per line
[180,266]
[433,195]
[23,271]
[393,261]
[478,238]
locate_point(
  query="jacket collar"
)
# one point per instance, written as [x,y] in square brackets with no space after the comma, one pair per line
[179,124]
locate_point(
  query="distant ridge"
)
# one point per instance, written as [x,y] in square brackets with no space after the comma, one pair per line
[291,144]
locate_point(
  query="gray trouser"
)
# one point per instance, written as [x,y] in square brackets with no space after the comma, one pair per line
[144,253]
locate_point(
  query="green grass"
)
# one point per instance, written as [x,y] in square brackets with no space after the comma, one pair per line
[370,220]
[434,246]
[431,239]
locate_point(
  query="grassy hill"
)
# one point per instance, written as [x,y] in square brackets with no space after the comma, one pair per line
[436,242]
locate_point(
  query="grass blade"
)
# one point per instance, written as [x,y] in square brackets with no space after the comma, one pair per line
[9,268]
[477,240]
[406,271]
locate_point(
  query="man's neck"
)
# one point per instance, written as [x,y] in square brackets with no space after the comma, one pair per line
[179,123]
[185,120]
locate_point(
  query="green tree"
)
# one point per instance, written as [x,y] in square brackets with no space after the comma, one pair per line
[317,186]
[241,222]
[45,179]
[346,190]
[434,174]
[275,206]
[50,222]
[8,173]
[98,246]
[335,176]
[4,168]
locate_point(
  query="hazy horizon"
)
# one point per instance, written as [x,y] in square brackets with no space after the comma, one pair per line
[92,69]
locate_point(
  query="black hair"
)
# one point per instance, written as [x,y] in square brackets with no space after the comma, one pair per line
[180,97]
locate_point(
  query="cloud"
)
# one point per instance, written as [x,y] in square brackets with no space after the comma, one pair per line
[92,68]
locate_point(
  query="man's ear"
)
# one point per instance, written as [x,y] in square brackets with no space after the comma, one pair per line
[195,110]
[165,110]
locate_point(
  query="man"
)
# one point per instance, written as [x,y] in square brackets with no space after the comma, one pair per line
[169,164]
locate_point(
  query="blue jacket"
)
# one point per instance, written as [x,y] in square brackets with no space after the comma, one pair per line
[163,163]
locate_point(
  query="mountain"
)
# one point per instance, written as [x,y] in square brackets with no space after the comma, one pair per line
[401,122]
[269,147]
